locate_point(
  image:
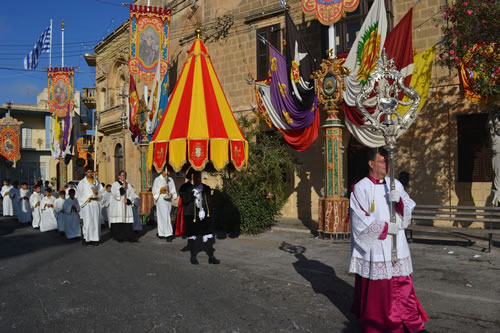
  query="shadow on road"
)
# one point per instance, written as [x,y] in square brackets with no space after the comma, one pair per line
[325,281]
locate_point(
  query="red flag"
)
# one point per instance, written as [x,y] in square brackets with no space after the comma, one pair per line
[399,46]
[301,140]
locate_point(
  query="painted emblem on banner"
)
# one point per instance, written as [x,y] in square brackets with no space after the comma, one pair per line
[329,12]
[149,41]
[160,155]
[61,82]
[10,137]
[198,153]
[368,53]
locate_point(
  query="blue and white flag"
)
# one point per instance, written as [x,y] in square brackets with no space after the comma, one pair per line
[42,45]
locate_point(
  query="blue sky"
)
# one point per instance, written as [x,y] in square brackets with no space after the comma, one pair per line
[21,24]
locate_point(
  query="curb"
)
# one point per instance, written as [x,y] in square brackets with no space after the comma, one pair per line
[280,229]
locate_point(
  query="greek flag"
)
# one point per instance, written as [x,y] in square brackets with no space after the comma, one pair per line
[42,45]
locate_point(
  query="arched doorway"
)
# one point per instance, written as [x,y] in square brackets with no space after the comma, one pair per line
[357,164]
[119,161]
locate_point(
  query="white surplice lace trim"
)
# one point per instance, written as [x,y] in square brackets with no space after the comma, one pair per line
[381,270]
[368,236]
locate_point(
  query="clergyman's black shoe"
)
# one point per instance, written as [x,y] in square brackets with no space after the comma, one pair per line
[213,260]
[194,261]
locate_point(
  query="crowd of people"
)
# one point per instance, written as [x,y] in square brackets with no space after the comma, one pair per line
[82,211]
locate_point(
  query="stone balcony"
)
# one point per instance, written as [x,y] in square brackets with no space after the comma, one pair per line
[89,97]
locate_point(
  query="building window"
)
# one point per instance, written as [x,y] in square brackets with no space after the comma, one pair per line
[119,165]
[347,29]
[474,149]
[26,141]
[272,34]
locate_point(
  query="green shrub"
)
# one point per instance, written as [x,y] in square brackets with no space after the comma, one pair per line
[259,192]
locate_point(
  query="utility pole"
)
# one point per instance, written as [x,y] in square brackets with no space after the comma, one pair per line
[123,119]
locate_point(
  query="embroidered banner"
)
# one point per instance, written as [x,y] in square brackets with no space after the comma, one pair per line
[198,153]
[238,153]
[61,83]
[160,155]
[149,41]
[329,11]
[10,137]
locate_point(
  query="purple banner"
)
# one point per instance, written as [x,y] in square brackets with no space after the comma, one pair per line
[281,96]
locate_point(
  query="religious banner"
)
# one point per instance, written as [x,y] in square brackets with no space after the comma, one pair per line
[149,41]
[329,11]
[61,83]
[476,66]
[10,138]
[61,134]
[160,155]
[198,153]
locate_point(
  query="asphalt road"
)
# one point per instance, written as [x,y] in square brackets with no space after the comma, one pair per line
[274,282]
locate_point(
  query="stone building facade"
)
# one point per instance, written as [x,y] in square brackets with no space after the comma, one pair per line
[429,151]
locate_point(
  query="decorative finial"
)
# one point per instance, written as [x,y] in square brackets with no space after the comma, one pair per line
[62,24]
[198,33]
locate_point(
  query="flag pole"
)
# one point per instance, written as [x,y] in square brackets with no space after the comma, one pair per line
[62,43]
[50,49]
[331,41]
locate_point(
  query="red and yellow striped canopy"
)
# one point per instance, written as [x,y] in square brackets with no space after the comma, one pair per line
[198,125]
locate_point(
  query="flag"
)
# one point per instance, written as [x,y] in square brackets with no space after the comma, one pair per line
[421,78]
[399,46]
[281,95]
[297,139]
[153,103]
[301,65]
[43,44]
[365,51]
[133,104]
[163,102]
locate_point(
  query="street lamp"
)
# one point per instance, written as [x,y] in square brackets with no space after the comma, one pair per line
[123,119]
[387,82]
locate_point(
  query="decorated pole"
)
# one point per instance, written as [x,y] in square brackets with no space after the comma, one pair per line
[387,82]
[333,207]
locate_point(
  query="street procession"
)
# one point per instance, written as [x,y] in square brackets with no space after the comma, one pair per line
[250,166]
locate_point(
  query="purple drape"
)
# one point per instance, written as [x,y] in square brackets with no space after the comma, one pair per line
[281,95]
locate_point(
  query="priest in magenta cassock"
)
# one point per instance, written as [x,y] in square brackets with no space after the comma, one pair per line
[384,297]
[89,193]
[163,193]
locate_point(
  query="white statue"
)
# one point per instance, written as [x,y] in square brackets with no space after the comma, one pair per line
[494,125]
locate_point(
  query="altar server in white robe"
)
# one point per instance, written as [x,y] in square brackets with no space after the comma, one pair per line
[24,204]
[48,221]
[14,195]
[58,209]
[8,210]
[121,215]
[35,201]
[88,194]
[71,209]
[384,296]
[106,197]
[163,193]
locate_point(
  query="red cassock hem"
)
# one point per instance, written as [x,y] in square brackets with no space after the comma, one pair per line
[385,306]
